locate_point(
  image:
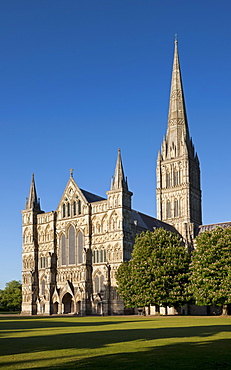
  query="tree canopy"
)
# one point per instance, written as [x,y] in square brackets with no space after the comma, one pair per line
[211,268]
[157,273]
[11,296]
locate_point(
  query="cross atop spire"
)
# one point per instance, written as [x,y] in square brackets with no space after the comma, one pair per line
[176,40]
[32,200]
[118,180]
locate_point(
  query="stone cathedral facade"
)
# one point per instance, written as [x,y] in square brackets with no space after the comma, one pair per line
[70,255]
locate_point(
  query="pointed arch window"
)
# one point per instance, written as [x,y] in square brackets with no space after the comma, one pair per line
[96,256]
[168,209]
[43,285]
[176,177]
[102,255]
[96,284]
[74,208]
[167,180]
[79,207]
[68,210]
[43,262]
[99,286]
[80,243]
[176,208]
[71,239]
[64,210]
[63,250]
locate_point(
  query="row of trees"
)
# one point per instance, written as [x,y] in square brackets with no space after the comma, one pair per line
[11,296]
[161,272]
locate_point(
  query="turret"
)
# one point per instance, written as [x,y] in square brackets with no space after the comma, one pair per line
[30,252]
[32,201]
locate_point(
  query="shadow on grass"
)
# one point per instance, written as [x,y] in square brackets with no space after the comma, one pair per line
[101,338]
[10,324]
[211,355]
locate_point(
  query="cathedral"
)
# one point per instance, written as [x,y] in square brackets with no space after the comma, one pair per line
[70,256]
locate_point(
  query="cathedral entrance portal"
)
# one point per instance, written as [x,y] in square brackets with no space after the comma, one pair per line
[55,308]
[67,303]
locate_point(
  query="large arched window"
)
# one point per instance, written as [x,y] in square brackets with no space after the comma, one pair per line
[63,250]
[80,242]
[71,238]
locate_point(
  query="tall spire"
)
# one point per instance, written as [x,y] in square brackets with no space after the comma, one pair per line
[118,180]
[177,117]
[32,200]
[178,190]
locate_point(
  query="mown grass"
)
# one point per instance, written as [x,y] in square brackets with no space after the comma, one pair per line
[115,342]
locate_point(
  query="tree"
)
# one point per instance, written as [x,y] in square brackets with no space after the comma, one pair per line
[157,273]
[211,268]
[11,296]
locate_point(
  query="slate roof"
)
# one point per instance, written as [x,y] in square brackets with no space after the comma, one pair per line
[91,198]
[209,227]
[148,222]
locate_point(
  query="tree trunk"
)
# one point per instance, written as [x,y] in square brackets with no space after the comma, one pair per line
[225,309]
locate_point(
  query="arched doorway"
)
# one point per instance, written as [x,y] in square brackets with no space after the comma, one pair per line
[99,308]
[67,303]
[55,308]
[78,307]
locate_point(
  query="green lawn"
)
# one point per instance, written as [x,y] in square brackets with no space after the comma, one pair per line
[131,342]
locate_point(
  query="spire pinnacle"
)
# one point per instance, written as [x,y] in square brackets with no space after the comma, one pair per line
[177,117]
[176,39]
[118,180]
[32,200]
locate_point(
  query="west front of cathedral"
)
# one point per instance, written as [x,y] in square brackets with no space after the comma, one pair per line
[70,256]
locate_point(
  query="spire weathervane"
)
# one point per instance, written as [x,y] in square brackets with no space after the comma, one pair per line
[71,172]
[176,39]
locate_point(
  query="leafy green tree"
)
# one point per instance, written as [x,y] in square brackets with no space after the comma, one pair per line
[157,273]
[11,296]
[125,283]
[211,268]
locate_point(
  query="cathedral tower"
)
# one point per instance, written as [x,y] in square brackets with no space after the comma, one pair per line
[30,252]
[178,170]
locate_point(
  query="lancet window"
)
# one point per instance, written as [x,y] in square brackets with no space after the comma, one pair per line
[72,247]
[100,255]
[167,180]
[176,208]
[168,209]
[99,283]
[80,243]
[63,250]
[43,285]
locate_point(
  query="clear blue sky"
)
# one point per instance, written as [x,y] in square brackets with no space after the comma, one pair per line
[81,78]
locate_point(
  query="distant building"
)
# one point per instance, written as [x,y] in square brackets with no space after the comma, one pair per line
[70,255]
